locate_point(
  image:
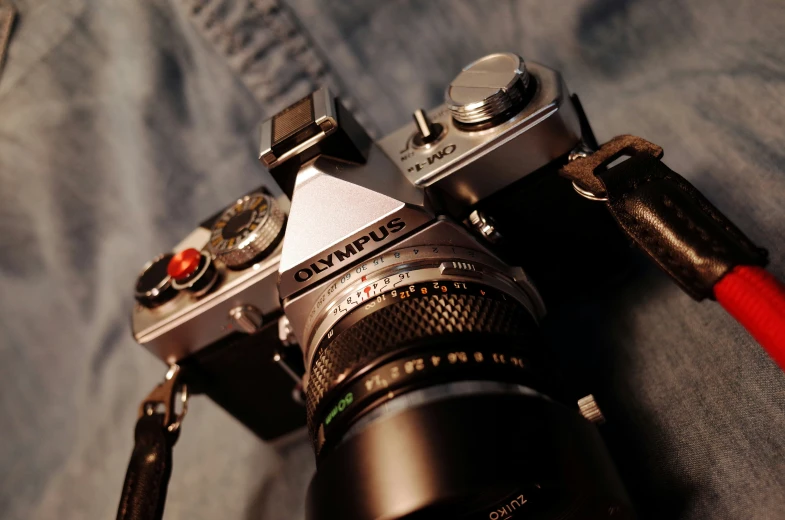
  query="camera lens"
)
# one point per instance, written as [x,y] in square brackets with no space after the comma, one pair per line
[433,397]
[410,340]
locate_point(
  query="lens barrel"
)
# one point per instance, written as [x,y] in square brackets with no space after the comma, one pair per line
[485,456]
[438,400]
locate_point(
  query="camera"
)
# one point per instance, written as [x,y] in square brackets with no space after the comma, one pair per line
[387,294]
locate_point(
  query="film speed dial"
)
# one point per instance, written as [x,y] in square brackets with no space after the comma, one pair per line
[247,231]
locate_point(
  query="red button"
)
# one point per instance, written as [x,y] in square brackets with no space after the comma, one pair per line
[183,264]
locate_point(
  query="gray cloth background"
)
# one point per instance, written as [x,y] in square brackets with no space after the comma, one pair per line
[124,123]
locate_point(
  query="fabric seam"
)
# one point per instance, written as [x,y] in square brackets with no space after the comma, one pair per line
[239,45]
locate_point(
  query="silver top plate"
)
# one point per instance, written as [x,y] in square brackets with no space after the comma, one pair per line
[471,165]
[187,323]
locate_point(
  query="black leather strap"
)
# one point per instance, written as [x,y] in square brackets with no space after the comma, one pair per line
[664,215]
[144,490]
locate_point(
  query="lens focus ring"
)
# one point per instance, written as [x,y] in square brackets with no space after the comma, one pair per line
[405,322]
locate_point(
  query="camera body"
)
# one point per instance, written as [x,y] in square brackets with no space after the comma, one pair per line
[285,312]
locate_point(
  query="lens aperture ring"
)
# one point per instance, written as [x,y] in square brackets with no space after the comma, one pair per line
[470,357]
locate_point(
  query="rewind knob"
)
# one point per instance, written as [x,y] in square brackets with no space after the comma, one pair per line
[488,90]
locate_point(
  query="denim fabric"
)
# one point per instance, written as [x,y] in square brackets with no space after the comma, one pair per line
[7,18]
[123,124]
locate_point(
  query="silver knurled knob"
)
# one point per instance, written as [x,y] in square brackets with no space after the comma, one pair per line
[246,318]
[484,225]
[590,410]
[246,230]
[487,88]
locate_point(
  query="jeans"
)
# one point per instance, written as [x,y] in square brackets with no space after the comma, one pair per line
[124,124]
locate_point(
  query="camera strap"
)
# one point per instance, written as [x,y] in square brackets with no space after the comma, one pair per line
[157,430]
[684,234]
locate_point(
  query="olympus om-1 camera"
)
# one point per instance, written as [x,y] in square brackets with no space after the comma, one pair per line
[393,306]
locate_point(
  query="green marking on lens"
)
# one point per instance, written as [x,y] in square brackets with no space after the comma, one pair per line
[340,407]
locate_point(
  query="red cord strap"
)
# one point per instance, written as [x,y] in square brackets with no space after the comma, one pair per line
[757,300]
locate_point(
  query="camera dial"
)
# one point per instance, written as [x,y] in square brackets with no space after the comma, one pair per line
[246,231]
[488,89]
[154,285]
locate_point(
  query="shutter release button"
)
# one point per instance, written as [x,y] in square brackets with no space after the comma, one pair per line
[192,270]
[183,264]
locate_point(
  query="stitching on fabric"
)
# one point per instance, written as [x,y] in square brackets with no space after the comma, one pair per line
[7,18]
[265,48]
